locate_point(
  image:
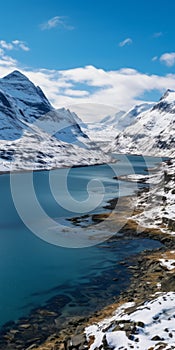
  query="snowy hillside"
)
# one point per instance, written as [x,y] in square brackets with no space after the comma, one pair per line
[157,206]
[129,117]
[112,119]
[110,126]
[104,130]
[152,132]
[149,326]
[33,135]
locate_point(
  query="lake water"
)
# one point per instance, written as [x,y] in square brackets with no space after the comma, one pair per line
[32,270]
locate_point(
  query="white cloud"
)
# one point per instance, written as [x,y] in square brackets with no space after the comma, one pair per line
[127,41]
[57,21]
[6,61]
[155,58]
[20,44]
[14,45]
[168,58]
[92,111]
[76,93]
[157,34]
[103,91]
[5,45]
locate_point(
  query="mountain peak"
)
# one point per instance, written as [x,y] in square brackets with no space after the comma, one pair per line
[167,93]
[22,90]
[15,75]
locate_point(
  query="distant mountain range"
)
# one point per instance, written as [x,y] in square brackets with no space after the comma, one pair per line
[103,130]
[107,129]
[34,135]
[147,129]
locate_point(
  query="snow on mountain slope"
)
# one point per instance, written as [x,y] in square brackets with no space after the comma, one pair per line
[112,119]
[21,101]
[61,124]
[105,130]
[24,97]
[29,124]
[37,150]
[100,132]
[152,133]
[129,117]
[109,126]
[157,205]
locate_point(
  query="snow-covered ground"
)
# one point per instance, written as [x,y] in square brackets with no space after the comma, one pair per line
[147,328]
[148,179]
[158,204]
[169,262]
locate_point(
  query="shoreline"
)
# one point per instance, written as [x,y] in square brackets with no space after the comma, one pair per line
[113,161]
[24,171]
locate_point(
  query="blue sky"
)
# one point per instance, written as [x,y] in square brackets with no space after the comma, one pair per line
[124,38]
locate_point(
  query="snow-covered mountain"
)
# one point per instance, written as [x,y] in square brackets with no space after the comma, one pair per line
[112,119]
[104,130]
[22,102]
[110,126]
[34,135]
[129,117]
[152,132]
